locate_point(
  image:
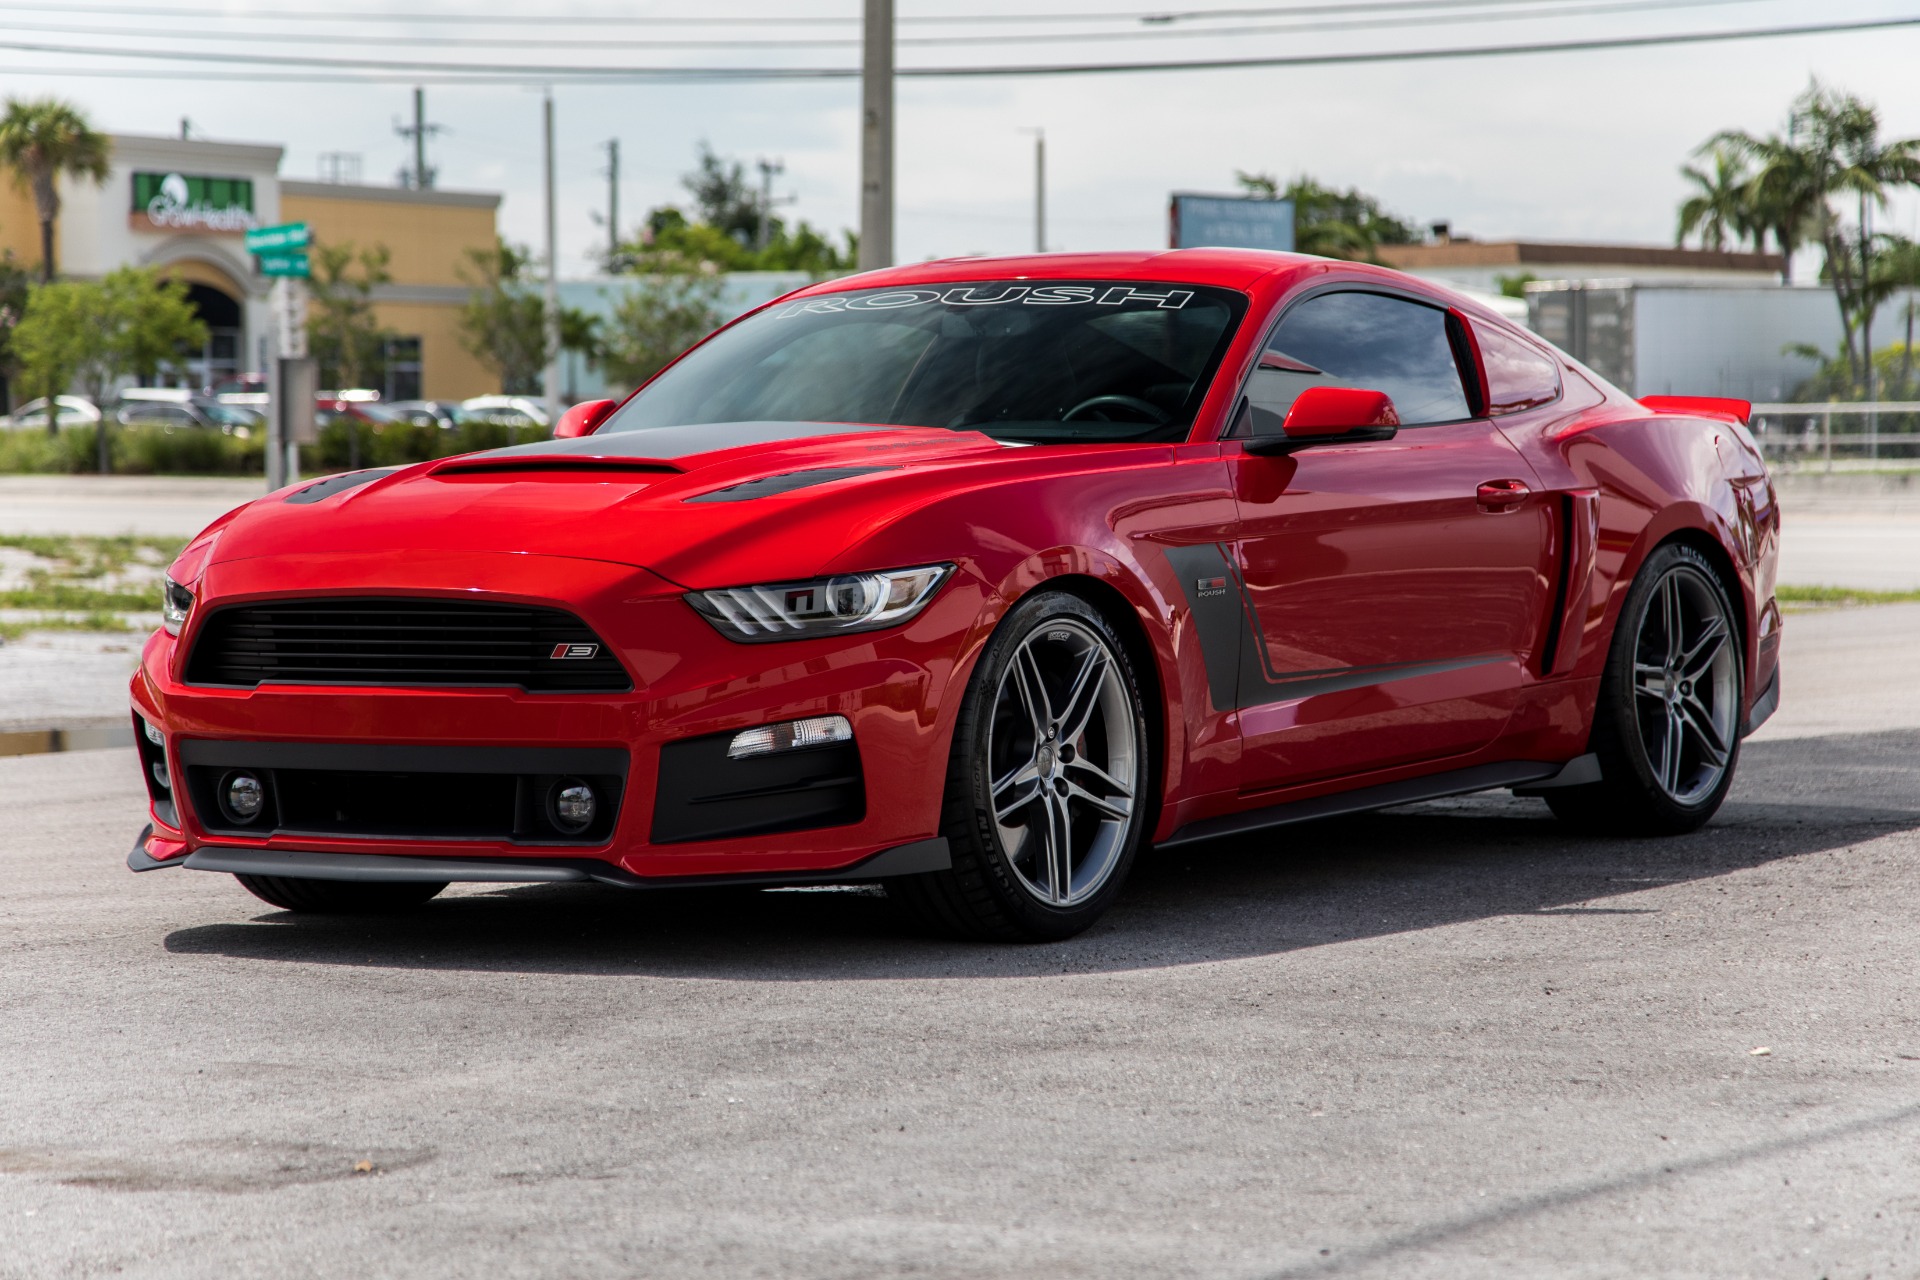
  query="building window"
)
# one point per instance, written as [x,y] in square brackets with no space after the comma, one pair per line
[401,379]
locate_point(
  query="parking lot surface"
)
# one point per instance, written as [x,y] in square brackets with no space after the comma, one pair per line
[1452,1040]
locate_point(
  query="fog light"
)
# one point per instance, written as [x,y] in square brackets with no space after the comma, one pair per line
[154,736]
[790,735]
[159,768]
[574,806]
[242,797]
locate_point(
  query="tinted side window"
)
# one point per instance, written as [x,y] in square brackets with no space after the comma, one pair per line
[1366,340]
[1519,374]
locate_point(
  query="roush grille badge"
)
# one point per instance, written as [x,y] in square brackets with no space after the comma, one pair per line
[563,652]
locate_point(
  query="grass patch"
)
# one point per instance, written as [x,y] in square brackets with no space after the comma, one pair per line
[74,567]
[1842,596]
[99,621]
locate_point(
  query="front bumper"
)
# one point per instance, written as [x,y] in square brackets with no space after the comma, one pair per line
[690,684]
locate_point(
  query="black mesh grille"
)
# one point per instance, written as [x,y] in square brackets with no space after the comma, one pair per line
[403,642]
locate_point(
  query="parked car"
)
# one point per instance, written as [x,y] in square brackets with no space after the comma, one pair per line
[247,390]
[174,408]
[72,411]
[332,406]
[977,578]
[445,414]
[508,411]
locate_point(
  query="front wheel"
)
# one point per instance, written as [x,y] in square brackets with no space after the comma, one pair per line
[339,897]
[1046,794]
[1667,727]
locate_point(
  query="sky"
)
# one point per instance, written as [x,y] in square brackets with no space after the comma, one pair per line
[1580,146]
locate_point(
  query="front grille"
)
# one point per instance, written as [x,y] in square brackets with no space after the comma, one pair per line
[403,642]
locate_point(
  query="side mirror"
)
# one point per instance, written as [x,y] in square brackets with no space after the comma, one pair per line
[583,418]
[1331,415]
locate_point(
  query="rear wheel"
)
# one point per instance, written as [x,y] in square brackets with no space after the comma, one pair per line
[1667,727]
[339,897]
[1046,789]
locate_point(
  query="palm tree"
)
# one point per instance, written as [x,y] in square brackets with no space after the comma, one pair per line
[1832,150]
[1720,208]
[41,140]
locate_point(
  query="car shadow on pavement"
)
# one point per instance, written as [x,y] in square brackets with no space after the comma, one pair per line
[1404,870]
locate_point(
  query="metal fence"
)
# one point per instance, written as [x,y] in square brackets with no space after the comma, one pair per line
[1885,434]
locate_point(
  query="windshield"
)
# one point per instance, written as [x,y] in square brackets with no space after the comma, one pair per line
[1029,361]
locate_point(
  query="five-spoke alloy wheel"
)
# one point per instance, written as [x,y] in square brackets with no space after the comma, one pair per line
[1046,793]
[1667,726]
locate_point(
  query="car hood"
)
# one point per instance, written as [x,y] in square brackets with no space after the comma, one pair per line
[708,505]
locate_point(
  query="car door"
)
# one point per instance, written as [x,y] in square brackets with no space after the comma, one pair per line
[1394,588]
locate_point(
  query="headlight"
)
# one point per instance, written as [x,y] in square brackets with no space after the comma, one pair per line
[825,606]
[175,603]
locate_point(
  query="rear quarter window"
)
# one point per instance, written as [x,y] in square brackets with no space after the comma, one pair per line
[1520,376]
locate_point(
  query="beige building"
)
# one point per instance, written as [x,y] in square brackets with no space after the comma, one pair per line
[184,206]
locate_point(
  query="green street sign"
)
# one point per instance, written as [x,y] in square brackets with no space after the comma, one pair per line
[288,235]
[284,264]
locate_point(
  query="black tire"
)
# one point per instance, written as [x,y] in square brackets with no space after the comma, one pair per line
[339,897]
[992,891]
[1635,795]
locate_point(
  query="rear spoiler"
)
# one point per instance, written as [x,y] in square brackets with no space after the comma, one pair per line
[1739,411]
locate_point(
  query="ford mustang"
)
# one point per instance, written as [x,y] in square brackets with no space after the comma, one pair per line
[975,579]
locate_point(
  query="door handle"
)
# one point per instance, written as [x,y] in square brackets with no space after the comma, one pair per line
[1502,495]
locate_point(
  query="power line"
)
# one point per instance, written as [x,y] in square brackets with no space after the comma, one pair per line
[1587,8]
[480,73]
[1159,17]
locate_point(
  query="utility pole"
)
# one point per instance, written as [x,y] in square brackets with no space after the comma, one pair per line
[613,200]
[551,381]
[1039,189]
[769,169]
[876,137]
[418,176]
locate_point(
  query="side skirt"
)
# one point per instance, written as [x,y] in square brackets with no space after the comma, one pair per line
[1519,774]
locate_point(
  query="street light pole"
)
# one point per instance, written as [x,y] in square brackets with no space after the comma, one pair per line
[1039,189]
[551,381]
[876,137]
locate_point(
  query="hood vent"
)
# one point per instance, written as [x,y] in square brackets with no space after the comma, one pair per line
[547,463]
[324,489]
[768,486]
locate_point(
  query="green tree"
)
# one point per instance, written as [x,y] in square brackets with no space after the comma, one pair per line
[504,321]
[1832,152]
[90,334]
[16,283]
[1329,222]
[1721,207]
[721,232]
[40,140]
[721,194]
[669,312]
[344,336]
[153,321]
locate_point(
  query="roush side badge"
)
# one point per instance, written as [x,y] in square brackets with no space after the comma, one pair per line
[1210,586]
[563,652]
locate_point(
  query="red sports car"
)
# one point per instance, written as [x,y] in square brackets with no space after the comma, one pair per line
[975,578]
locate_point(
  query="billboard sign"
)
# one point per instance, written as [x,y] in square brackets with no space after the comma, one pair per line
[1231,222]
[192,202]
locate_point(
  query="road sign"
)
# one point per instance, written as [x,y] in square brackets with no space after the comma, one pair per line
[284,264]
[288,235]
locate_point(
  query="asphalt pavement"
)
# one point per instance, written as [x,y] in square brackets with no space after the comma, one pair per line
[1454,1040]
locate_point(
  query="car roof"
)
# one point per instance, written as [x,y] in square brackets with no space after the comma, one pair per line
[1227,268]
[168,395]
